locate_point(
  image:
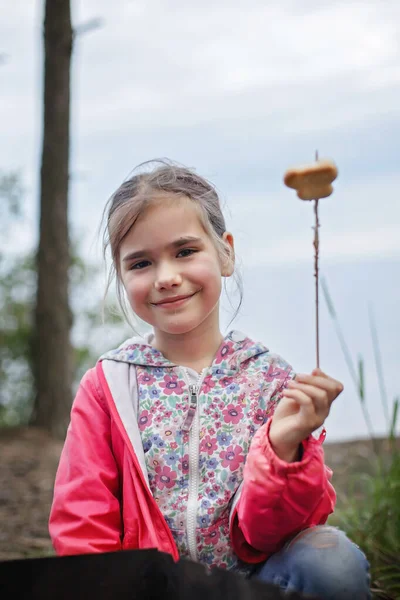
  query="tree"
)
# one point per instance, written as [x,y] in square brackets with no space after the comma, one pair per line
[52,348]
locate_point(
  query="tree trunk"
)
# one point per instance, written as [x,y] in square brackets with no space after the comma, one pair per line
[52,349]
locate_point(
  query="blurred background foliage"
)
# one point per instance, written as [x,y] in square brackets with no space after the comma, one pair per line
[369,504]
[17,296]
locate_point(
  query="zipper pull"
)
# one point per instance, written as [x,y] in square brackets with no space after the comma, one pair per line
[194,390]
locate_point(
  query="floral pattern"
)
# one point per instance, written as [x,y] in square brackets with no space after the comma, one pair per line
[238,394]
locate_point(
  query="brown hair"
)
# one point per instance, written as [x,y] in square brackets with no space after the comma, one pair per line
[143,189]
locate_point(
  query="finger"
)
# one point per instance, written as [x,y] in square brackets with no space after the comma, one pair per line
[319,372]
[319,396]
[306,406]
[300,396]
[329,384]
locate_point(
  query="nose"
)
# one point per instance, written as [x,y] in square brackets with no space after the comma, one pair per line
[167,278]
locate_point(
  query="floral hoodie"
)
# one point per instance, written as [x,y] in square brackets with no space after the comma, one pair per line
[189,467]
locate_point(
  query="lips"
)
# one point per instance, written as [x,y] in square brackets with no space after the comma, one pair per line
[173,300]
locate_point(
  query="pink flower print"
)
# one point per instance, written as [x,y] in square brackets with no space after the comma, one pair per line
[213,537]
[164,478]
[145,420]
[259,417]
[240,428]
[146,378]
[232,457]
[224,352]
[173,445]
[208,383]
[172,385]
[208,444]
[184,464]
[227,496]
[275,372]
[232,414]
[241,398]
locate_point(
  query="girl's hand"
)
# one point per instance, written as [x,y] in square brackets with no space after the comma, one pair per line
[305,405]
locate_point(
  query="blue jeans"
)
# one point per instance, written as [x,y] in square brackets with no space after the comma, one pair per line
[320,562]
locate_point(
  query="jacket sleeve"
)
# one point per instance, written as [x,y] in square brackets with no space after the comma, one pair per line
[279,499]
[85,513]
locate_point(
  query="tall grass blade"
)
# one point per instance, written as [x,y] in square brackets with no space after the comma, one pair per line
[361,382]
[392,432]
[394,418]
[358,378]
[378,365]
[342,341]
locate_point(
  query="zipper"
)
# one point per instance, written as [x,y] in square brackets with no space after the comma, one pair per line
[192,425]
[193,391]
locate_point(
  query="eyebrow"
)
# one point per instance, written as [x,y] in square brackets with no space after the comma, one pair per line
[176,244]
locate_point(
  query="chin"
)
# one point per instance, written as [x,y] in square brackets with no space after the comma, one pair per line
[176,329]
[179,327]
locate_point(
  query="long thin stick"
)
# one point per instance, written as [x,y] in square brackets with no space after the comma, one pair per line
[316,271]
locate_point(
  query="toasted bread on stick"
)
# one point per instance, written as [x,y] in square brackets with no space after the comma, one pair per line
[312,181]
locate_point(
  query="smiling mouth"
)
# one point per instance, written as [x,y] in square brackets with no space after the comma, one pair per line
[176,300]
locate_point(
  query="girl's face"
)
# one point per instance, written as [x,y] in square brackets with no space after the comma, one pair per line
[170,268]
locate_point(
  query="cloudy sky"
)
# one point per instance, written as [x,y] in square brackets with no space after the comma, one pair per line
[241,91]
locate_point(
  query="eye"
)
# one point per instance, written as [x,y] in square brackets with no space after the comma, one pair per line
[186,252]
[139,266]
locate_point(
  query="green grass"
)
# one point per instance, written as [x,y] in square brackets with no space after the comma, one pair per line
[369,512]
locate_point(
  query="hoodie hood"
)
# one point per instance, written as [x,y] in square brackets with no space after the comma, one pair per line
[234,350]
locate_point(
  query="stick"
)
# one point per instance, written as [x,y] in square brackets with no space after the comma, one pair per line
[316,271]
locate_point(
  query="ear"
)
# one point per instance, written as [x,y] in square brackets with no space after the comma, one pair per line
[229,263]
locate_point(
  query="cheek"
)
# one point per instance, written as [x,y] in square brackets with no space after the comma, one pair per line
[137,289]
[206,269]
[206,273]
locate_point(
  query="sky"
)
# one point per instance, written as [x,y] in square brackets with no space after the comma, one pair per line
[240,92]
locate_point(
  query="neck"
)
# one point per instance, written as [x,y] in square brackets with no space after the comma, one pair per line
[195,349]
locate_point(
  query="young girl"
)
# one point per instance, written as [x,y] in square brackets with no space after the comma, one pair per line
[194,443]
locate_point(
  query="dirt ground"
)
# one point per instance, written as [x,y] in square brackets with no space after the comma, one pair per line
[28,463]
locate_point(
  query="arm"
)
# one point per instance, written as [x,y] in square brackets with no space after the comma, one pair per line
[85,514]
[279,499]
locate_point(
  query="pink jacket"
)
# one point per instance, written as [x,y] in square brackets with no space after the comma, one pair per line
[102,501]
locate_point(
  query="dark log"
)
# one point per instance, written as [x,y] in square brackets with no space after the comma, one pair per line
[129,575]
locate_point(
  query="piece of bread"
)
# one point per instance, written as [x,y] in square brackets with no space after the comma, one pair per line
[312,181]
